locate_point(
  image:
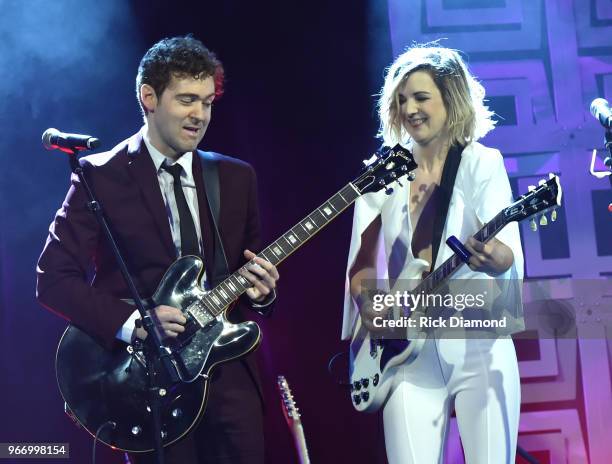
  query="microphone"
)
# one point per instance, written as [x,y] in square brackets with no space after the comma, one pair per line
[600,109]
[52,139]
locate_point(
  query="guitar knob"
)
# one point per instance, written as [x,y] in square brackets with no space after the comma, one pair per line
[357,385]
[176,413]
[136,430]
[365,382]
[365,396]
[357,399]
[375,379]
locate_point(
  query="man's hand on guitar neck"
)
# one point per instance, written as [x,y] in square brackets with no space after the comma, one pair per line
[171,320]
[262,274]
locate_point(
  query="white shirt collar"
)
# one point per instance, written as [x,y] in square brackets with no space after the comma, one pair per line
[158,157]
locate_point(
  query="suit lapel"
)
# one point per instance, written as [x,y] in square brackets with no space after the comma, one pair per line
[142,170]
[206,229]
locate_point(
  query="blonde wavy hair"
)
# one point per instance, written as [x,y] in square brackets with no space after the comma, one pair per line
[468,118]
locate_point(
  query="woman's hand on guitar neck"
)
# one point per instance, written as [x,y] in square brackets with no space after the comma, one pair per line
[493,258]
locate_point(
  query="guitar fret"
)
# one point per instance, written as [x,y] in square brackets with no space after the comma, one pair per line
[223,293]
[309,225]
[300,232]
[228,289]
[338,202]
[349,192]
[328,211]
[238,283]
[215,298]
[208,304]
[291,247]
[243,281]
[278,250]
[232,287]
[321,220]
[268,254]
[331,205]
[312,219]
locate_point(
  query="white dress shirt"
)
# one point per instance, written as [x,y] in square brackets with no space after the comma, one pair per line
[166,185]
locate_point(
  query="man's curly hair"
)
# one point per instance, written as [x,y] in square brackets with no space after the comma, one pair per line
[179,57]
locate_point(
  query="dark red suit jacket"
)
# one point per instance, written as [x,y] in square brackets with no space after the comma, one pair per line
[125,182]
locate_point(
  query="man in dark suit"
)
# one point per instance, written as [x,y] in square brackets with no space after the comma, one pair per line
[153,194]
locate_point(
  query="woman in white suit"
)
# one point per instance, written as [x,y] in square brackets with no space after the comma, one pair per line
[431,104]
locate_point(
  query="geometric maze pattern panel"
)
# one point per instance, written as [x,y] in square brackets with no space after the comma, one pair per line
[542,63]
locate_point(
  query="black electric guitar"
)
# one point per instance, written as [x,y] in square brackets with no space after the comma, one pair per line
[292,416]
[101,386]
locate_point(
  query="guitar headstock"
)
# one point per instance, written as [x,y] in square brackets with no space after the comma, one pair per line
[290,410]
[538,200]
[384,168]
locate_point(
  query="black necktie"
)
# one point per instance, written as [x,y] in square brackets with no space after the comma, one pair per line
[189,237]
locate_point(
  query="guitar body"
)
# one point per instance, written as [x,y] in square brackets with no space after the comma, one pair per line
[99,385]
[373,362]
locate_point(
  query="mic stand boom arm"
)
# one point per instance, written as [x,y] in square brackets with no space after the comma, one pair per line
[608,159]
[154,347]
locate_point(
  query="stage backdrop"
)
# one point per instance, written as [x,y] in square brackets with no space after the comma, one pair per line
[300,107]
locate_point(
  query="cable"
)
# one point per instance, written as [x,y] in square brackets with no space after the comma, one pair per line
[342,383]
[113,425]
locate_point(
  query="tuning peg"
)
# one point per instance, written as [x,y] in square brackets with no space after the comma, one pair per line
[388,190]
[411,176]
[531,188]
[542,182]
[551,175]
[543,220]
[533,224]
[553,215]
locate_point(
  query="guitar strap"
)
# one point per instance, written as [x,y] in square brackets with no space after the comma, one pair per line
[447,183]
[210,173]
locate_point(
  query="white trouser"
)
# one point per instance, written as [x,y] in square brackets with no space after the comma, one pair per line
[480,378]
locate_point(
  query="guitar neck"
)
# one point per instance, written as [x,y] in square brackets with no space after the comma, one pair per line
[448,267]
[300,442]
[235,285]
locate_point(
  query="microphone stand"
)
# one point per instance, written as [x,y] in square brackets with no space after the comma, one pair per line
[153,347]
[608,159]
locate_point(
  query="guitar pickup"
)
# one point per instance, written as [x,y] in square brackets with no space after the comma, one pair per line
[200,314]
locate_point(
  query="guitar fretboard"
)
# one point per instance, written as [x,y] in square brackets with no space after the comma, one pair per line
[448,267]
[215,302]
